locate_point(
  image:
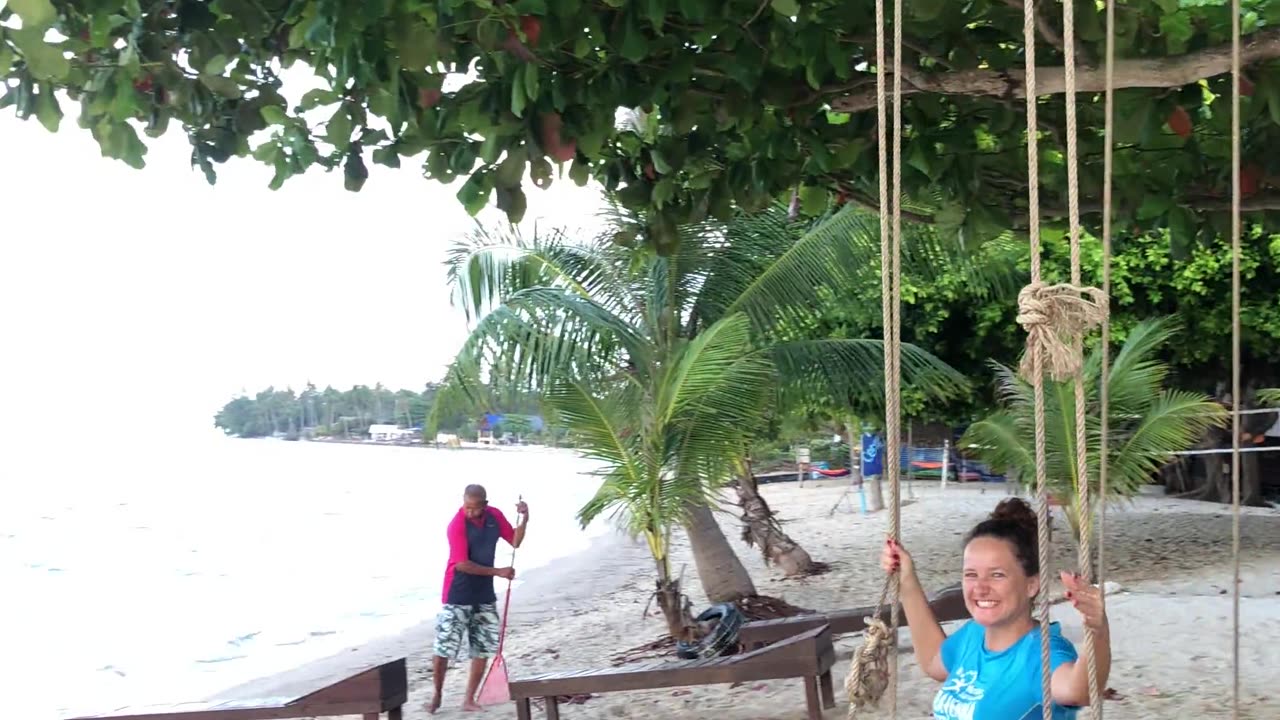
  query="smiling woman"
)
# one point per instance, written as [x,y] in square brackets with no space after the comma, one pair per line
[990,666]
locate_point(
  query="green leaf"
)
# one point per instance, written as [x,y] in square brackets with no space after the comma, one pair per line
[274,114]
[35,14]
[663,192]
[518,96]
[531,85]
[417,44]
[6,59]
[217,64]
[813,199]
[474,193]
[387,156]
[45,61]
[1176,29]
[786,8]
[338,131]
[580,172]
[656,10]
[354,171]
[315,98]
[47,110]
[634,46]
[224,86]
[511,200]
[1154,204]
[511,170]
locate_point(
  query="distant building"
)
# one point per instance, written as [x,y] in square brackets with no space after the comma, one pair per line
[388,432]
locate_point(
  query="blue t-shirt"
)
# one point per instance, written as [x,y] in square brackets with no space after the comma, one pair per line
[1005,685]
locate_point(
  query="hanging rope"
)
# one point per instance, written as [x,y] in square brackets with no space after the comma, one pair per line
[1104,376]
[1099,310]
[1036,340]
[875,665]
[1237,400]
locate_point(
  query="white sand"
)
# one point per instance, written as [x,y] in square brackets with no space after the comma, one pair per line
[1171,623]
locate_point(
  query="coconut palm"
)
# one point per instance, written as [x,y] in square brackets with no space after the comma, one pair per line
[1146,422]
[663,365]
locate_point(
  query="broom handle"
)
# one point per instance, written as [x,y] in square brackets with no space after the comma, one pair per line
[506,605]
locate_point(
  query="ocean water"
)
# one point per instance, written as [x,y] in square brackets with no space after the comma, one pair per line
[160,573]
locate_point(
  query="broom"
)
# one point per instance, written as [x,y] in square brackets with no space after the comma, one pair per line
[494,689]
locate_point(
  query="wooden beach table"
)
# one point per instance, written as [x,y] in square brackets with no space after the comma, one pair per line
[808,655]
[947,604]
[315,690]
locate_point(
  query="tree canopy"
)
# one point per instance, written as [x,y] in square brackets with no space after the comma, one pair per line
[735,102]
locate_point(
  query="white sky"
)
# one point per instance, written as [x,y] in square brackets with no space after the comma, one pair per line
[120,289]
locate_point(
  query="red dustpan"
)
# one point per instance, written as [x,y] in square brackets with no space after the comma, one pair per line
[494,689]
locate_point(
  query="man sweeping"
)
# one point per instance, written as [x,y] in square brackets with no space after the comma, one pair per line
[470,603]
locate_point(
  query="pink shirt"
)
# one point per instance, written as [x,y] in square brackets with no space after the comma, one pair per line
[458,546]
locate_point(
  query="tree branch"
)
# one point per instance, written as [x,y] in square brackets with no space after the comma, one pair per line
[1145,72]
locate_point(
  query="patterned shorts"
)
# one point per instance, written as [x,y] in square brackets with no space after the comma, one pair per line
[480,623]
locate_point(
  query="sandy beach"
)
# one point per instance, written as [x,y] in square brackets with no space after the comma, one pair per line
[1170,618]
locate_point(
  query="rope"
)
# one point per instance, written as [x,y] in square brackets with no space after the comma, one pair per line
[1035,341]
[1088,315]
[1237,400]
[1104,378]
[893,388]
[1056,316]
[875,665]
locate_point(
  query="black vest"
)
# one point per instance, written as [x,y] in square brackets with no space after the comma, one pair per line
[482,548]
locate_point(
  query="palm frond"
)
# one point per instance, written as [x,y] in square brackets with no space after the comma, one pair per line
[850,372]
[774,269]
[485,267]
[999,440]
[1175,420]
[1146,423]
[541,334]
[717,405]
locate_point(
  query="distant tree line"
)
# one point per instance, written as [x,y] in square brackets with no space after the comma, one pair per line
[333,412]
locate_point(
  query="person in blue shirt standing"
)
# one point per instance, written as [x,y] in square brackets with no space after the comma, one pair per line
[990,667]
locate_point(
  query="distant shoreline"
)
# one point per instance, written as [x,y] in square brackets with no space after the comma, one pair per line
[466,445]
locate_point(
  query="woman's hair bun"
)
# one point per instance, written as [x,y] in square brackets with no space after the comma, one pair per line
[1015,510]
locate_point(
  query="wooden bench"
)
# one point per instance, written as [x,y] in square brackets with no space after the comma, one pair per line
[808,655]
[947,604]
[370,693]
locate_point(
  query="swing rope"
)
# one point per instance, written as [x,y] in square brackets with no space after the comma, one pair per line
[874,668]
[1084,514]
[1237,400]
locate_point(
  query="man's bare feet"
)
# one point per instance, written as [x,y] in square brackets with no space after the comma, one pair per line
[434,705]
[472,706]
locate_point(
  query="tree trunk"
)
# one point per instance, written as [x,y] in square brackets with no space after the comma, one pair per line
[675,609]
[762,530]
[875,495]
[723,577]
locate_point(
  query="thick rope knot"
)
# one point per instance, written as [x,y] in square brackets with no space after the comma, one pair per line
[1055,317]
[869,673]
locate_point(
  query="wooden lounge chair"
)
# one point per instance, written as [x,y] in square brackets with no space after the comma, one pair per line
[370,693]
[947,604]
[808,655]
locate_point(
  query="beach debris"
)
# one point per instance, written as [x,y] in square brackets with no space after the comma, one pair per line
[765,607]
[661,647]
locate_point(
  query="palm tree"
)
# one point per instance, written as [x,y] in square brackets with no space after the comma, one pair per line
[663,365]
[1146,422]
